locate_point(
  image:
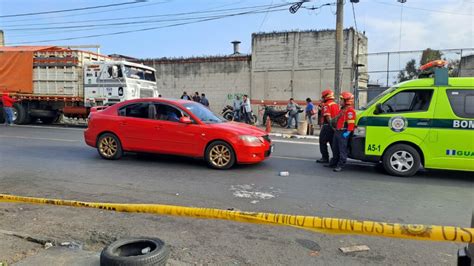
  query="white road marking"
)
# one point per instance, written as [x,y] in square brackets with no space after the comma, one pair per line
[34,138]
[48,127]
[294,142]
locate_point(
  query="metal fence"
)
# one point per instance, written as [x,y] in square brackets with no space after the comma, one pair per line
[384,68]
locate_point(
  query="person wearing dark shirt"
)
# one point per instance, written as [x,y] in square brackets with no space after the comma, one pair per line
[204,100]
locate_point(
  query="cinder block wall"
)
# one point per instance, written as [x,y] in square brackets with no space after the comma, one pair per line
[282,65]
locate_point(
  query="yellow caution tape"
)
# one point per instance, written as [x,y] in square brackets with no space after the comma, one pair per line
[313,223]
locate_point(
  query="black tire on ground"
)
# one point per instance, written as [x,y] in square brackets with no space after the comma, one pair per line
[109,146]
[227,155]
[401,160]
[229,116]
[132,251]
[22,115]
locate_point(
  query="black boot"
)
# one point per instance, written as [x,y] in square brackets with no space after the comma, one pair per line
[322,160]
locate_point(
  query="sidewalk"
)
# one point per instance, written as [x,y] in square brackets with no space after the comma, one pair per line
[290,133]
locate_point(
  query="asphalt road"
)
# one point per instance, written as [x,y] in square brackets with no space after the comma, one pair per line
[55,163]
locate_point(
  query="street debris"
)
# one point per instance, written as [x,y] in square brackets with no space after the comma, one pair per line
[146,250]
[255,201]
[284,173]
[314,253]
[330,205]
[351,249]
[248,191]
[48,245]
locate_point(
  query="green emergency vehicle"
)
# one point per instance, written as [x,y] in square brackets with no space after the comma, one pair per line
[426,122]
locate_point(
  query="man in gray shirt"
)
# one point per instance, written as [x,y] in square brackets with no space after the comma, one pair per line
[293,113]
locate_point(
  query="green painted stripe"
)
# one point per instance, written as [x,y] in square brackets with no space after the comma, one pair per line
[420,123]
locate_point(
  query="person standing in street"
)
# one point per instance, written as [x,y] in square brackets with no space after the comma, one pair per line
[345,124]
[309,113]
[236,104]
[329,110]
[185,96]
[8,102]
[204,101]
[293,113]
[196,97]
[246,109]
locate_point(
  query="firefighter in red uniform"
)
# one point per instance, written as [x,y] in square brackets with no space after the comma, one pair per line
[329,110]
[345,123]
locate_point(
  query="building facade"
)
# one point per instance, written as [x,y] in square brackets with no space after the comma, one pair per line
[297,64]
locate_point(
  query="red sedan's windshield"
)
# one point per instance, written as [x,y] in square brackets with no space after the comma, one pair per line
[204,114]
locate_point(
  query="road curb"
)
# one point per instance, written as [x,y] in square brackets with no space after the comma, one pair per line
[292,136]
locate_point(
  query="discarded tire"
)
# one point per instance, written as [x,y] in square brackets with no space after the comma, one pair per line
[135,252]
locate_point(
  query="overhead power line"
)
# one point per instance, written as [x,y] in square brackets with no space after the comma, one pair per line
[88,13]
[426,9]
[72,9]
[129,18]
[153,28]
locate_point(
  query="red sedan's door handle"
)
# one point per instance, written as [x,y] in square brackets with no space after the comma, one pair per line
[158,127]
[123,123]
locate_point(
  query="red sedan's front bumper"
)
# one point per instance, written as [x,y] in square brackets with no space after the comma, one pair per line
[253,154]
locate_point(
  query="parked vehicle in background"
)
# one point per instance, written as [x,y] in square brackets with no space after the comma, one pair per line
[425,122]
[279,117]
[228,114]
[50,81]
[177,127]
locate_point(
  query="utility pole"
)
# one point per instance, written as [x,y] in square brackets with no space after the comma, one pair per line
[339,47]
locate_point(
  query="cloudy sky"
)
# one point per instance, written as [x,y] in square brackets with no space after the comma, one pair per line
[438,24]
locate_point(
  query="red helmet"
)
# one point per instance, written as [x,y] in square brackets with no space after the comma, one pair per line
[327,94]
[347,97]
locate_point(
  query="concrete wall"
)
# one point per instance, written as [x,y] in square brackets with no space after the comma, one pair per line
[301,64]
[467,66]
[282,65]
[218,77]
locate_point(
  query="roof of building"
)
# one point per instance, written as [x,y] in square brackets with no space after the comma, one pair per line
[28,48]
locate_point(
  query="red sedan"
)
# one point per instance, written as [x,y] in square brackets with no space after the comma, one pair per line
[176,127]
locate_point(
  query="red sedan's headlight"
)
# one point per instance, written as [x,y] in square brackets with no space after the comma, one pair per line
[252,140]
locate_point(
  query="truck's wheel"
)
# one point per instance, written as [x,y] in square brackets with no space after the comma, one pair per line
[220,155]
[401,160]
[109,147]
[20,114]
[135,251]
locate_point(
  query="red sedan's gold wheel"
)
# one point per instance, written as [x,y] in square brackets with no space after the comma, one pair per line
[109,147]
[220,155]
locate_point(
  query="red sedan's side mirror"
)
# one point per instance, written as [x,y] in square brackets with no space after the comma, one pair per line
[185,120]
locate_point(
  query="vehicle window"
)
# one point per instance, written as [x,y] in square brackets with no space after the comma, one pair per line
[168,113]
[204,114]
[378,97]
[138,110]
[462,102]
[139,73]
[408,101]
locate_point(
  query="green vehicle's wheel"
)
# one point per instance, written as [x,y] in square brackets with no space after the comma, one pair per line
[401,160]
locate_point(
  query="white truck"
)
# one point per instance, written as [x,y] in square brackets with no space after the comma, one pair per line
[50,81]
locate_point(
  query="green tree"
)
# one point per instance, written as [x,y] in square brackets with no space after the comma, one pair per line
[429,55]
[410,72]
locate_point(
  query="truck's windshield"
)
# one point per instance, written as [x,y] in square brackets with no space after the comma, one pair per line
[139,73]
[378,97]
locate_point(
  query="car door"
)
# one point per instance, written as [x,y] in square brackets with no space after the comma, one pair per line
[451,137]
[175,137]
[137,128]
[405,116]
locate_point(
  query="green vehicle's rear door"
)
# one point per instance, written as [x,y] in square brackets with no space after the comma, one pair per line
[451,138]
